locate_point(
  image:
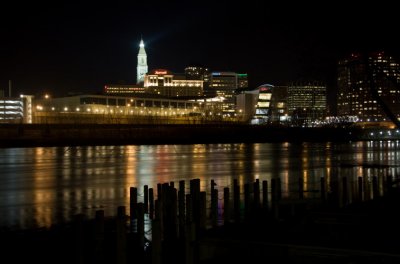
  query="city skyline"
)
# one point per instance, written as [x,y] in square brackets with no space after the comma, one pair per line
[65,48]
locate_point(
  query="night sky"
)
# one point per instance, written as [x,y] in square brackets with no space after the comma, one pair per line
[60,48]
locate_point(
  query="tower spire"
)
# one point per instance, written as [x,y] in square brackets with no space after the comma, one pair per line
[141,62]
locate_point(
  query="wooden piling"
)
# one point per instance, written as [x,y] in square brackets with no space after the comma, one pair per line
[189,210]
[278,189]
[189,242]
[236,201]
[181,209]
[159,191]
[132,203]
[140,225]
[173,216]
[246,200]
[256,192]
[265,195]
[156,242]
[203,211]
[151,202]
[182,186]
[146,199]
[214,208]
[226,206]
[120,236]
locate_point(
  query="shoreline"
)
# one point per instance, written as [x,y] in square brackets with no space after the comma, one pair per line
[36,135]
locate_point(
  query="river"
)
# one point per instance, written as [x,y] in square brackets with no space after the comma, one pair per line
[42,186]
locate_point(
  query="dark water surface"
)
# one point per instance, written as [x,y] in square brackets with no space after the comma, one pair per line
[43,186]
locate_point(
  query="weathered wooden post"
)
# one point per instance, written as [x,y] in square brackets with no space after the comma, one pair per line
[121,236]
[151,201]
[278,189]
[182,186]
[189,210]
[140,226]
[256,191]
[173,212]
[246,201]
[203,211]
[181,207]
[265,195]
[214,207]
[146,199]
[132,205]
[190,239]
[236,201]
[159,192]
[226,206]
[212,186]
[156,242]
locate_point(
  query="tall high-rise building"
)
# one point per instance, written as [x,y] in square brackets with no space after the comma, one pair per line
[225,85]
[142,67]
[358,75]
[306,102]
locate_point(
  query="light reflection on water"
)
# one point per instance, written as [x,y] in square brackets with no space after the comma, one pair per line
[43,186]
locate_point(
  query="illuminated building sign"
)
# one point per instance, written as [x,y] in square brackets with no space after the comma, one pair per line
[160,72]
[264,89]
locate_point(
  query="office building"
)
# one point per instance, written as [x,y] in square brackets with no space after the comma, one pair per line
[358,75]
[306,102]
[164,83]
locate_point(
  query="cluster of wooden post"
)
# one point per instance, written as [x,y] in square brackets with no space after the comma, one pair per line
[179,218]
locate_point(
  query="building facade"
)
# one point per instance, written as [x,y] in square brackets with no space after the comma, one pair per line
[365,84]
[164,83]
[306,102]
[123,89]
[225,85]
[16,109]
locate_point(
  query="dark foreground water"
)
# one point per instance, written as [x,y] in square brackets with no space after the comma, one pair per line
[43,186]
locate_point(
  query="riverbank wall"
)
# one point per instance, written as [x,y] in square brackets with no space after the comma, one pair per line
[21,135]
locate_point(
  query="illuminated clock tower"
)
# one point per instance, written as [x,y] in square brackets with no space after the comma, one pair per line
[141,63]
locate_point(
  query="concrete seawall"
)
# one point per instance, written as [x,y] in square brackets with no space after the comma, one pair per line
[20,135]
